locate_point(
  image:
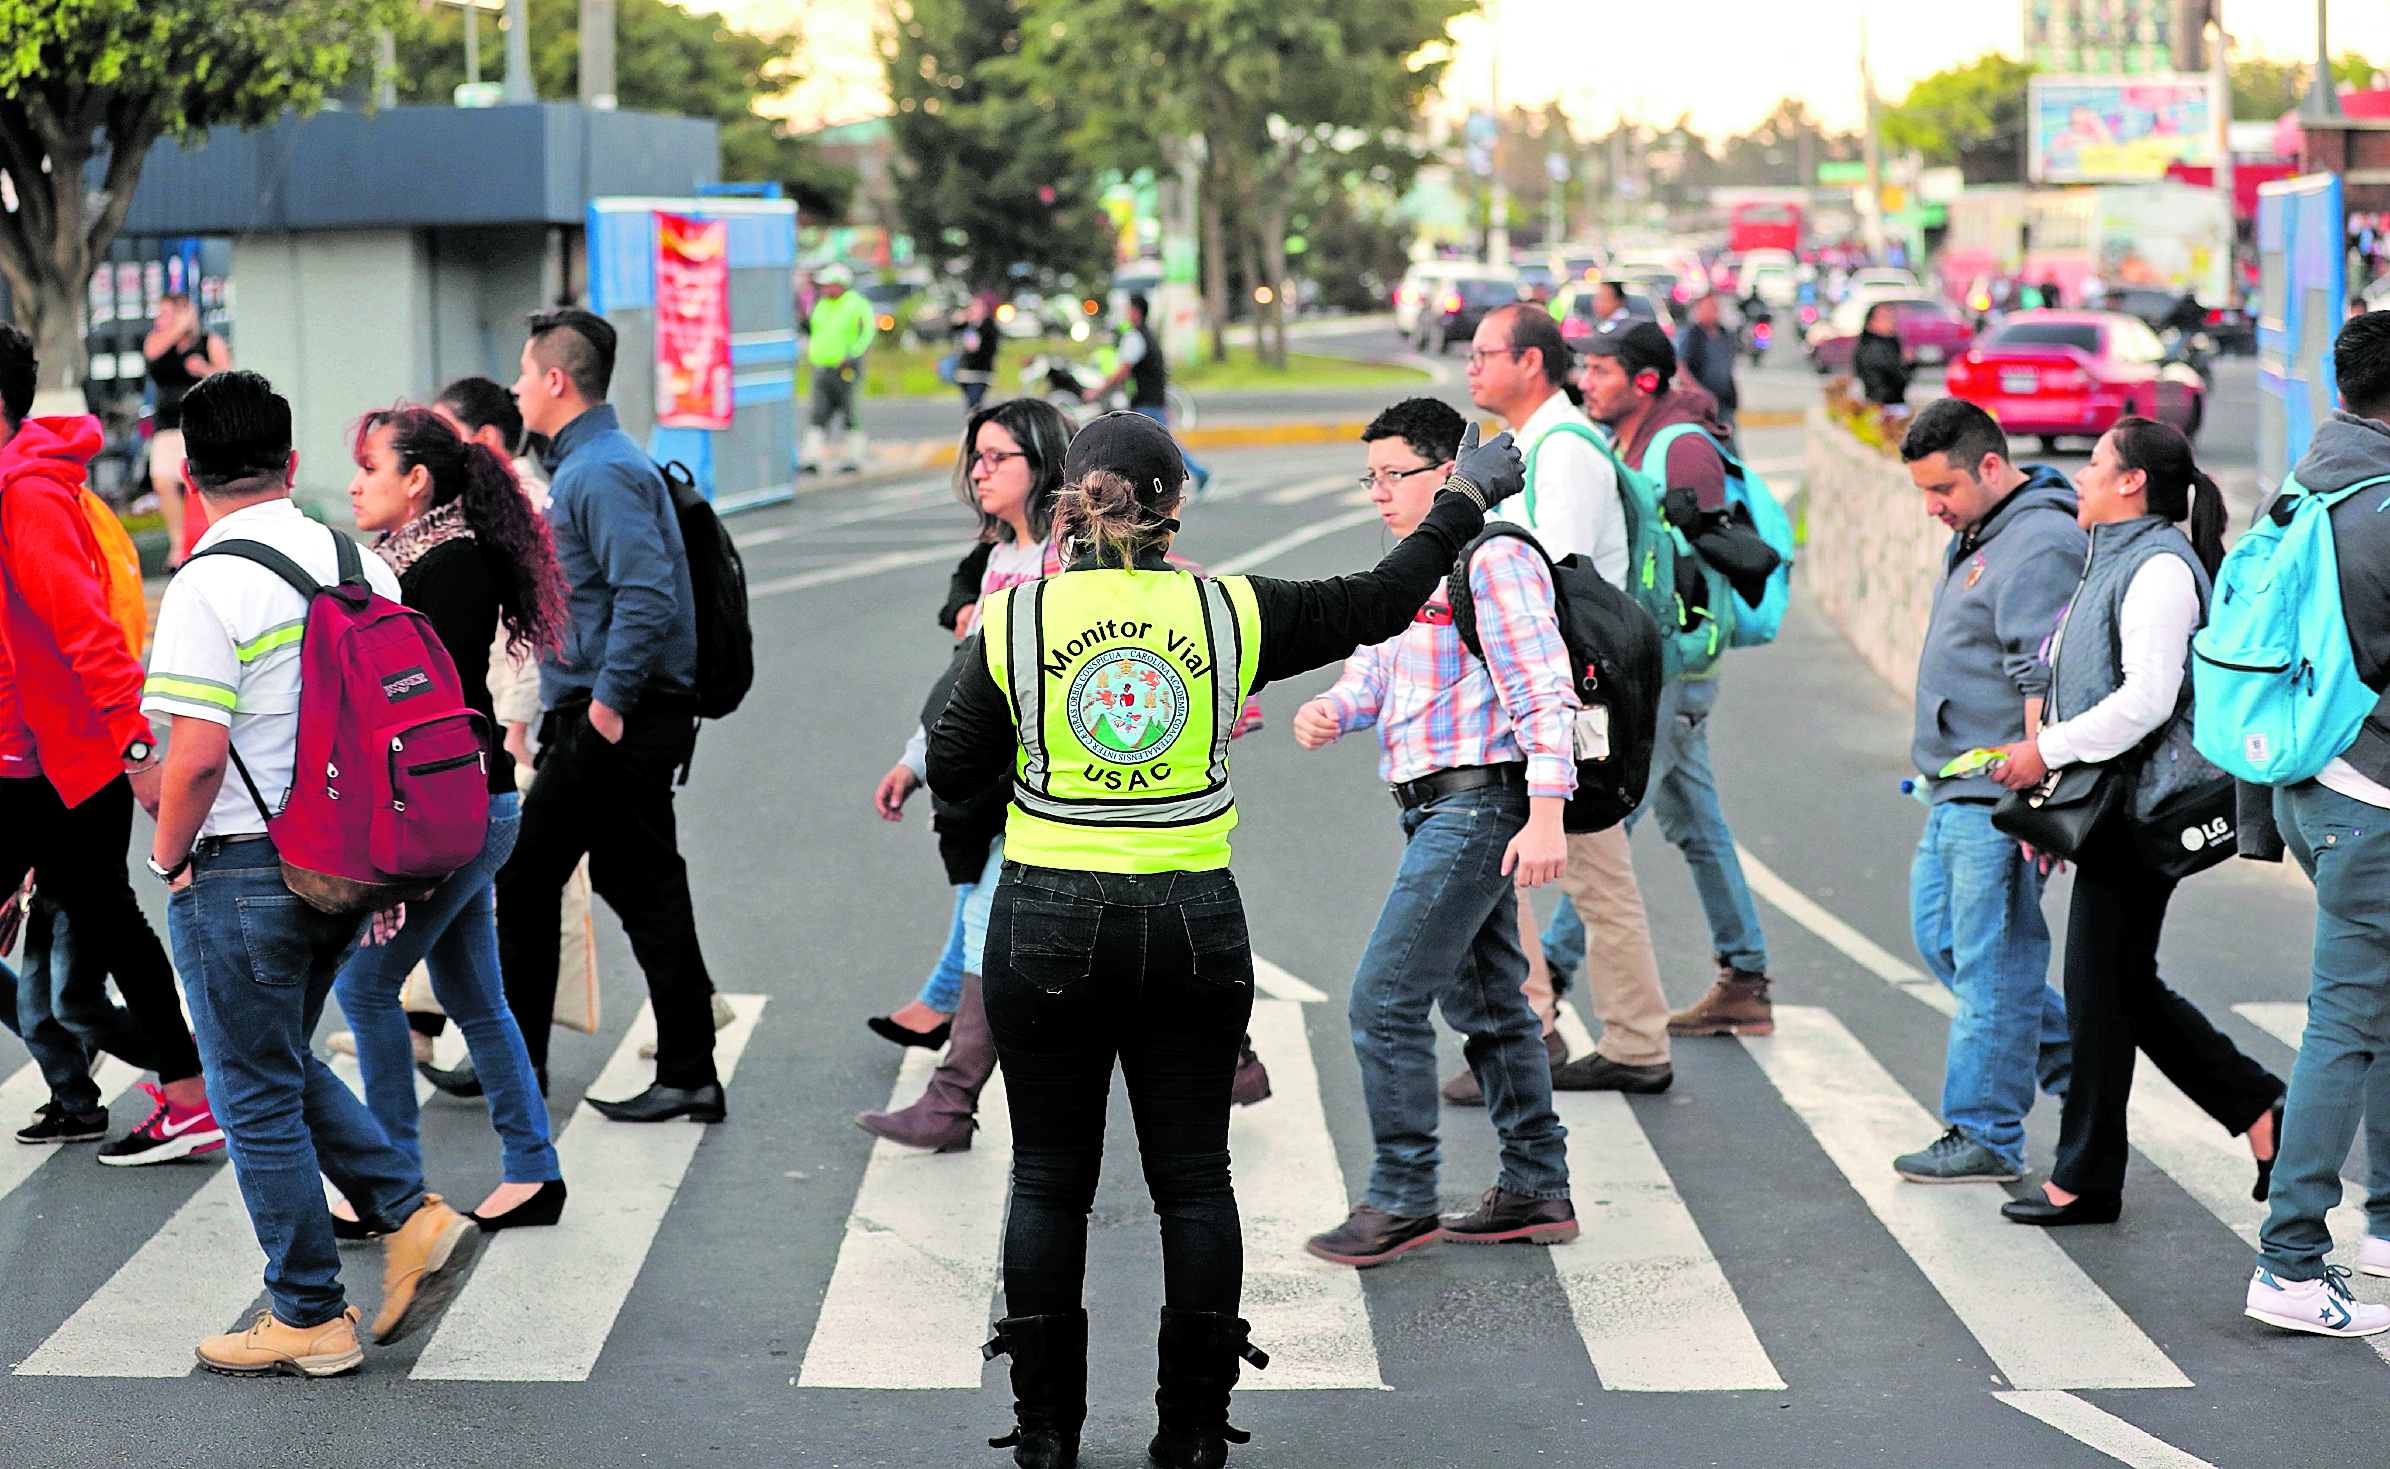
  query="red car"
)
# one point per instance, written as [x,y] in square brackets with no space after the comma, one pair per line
[1931,333]
[2072,374]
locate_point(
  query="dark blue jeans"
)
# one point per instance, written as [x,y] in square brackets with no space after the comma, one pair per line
[58,1005]
[257,964]
[454,934]
[1449,937]
[1154,969]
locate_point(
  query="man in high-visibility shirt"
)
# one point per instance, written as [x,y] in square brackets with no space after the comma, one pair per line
[838,334]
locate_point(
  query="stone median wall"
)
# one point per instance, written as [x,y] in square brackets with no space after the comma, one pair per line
[1873,556]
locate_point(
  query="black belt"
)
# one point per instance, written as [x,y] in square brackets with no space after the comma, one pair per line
[1412,794]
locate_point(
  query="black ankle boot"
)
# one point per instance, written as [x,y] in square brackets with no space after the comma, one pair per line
[1198,1367]
[1049,1387]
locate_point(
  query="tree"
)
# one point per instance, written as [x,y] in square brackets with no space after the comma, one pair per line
[86,86]
[1972,116]
[987,180]
[1783,150]
[2263,90]
[666,60]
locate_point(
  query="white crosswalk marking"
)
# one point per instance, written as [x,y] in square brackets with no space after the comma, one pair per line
[1308,1314]
[541,1302]
[2286,1023]
[908,1300]
[2103,1431]
[1656,1312]
[1310,489]
[25,1093]
[2039,1317]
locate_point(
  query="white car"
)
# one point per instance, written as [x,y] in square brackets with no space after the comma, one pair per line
[1881,280]
[1771,275]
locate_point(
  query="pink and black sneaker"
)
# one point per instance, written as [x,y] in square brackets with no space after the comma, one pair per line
[171,1132]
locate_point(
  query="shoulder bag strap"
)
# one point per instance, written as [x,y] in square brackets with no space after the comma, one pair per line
[352,571]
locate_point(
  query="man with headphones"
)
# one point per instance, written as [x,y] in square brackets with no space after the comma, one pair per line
[1629,387]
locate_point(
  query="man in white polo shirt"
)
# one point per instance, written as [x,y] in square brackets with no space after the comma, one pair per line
[256,960]
[1517,365]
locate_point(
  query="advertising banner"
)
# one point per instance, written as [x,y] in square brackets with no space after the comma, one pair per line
[2114,129]
[692,322]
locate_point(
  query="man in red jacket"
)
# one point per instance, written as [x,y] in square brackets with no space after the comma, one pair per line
[72,741]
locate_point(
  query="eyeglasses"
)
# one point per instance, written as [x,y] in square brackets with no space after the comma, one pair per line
[992,460]
[1377,477]
[1477,358]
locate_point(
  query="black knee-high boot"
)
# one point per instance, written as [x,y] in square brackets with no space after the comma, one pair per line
[1199,1351]
[1049,1387]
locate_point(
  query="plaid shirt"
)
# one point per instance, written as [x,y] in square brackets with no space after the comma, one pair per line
[1437,707]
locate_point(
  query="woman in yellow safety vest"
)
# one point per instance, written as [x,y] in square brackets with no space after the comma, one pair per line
[1107,693]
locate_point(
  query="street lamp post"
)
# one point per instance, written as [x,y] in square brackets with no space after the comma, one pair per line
[2323,98]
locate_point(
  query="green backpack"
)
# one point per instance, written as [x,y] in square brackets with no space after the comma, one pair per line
[1690,600]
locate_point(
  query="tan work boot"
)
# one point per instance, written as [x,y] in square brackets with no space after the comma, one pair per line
[269,1347]
[422,1265]
[1737,1004]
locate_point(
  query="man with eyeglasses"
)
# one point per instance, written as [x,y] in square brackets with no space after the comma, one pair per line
[1476,752]
[1517,367]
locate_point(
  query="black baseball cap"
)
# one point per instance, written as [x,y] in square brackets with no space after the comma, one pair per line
[1130,445]
[1636,344]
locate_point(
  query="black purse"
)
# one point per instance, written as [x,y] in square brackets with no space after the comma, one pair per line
[2066,809]
[2191,831]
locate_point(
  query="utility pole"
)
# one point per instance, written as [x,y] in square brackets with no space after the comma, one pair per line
[2219,60]
[472,45]
[1497,235]
[1871,208]
[518,53]
[2323,98]
[597,55]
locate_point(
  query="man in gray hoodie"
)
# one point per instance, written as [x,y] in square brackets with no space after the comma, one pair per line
[2015,557]
[2338,827]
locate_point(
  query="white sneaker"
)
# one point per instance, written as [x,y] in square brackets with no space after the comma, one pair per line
[2374,1258]
[2323,1307]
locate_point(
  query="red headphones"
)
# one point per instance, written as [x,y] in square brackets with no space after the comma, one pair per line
[1647,381]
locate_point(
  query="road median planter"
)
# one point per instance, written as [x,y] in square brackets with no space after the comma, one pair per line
[1873,556]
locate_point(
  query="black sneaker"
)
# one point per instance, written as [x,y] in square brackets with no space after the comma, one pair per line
[1502,1216]
[1373,1236]
[1598,1073]
[53,1125]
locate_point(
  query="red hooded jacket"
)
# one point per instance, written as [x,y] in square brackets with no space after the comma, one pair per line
[70,694]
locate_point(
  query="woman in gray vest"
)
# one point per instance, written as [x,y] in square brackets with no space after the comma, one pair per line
[2120,662]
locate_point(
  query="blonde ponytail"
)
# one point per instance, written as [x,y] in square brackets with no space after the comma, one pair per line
[1103,514]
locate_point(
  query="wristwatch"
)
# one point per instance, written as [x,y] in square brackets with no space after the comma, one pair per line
[169,874]
[139,751]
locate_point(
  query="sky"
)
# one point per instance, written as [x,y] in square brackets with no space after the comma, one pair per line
[1598,60]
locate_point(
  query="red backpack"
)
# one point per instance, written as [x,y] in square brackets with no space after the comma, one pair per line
[390,792]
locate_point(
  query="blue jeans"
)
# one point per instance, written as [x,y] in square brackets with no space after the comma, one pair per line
[257,964]
[966,937]
[2344,845]
[1975,909]
[1449,937]
[454,934]
[1195,470]
[1683,797]
[63,1014]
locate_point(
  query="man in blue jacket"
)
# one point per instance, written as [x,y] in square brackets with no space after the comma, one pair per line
[1974,896]
[621,718]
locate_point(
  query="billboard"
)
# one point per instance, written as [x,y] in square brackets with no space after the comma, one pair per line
[2111,129]
[2102,35]
[692,322]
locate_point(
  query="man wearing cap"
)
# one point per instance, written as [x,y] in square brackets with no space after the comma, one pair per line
[1630,388]
[838,333]
[1517,367]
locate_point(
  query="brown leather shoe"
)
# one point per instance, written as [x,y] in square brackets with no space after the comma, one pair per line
[1462,1089]
[1737,1004]
[422,1265]
[269,1347]
[1502,1217]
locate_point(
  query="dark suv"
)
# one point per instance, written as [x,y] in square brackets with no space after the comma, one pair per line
[1458,305]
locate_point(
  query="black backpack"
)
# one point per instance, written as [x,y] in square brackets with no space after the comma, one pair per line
[1614,647]
[725,638]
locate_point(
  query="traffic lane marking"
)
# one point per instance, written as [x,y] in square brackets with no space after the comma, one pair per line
[25,1093]
[1270,550]
[850,570]
[908,1302]
[2101,1430]
[541,1302]
[2036,1314]
[1852,944]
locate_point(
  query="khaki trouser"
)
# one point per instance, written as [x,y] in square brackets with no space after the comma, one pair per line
[1538,987]
[1622,974]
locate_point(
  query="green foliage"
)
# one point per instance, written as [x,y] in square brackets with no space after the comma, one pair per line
[986,179]
[88,79]
[1972,116]
[1783,150]
[666,60]
[2263,90]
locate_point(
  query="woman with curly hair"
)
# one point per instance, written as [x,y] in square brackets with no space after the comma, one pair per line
[473,556]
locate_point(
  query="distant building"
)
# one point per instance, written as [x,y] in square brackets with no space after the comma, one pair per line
[868,147]
[2108,37]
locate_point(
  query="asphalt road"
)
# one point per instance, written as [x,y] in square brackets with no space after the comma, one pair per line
[1753,1287]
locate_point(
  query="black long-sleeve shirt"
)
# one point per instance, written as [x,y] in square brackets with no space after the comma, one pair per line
[454,585]
[1304,624]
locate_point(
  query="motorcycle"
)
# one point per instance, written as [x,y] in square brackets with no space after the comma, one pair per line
[2196,350]
[1065,383]
[1758,332]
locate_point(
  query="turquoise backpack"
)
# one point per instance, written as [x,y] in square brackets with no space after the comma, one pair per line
[1753,627]
[2273,677]
[1691,637]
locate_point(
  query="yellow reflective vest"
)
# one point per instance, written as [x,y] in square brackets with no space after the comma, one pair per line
[1124,686]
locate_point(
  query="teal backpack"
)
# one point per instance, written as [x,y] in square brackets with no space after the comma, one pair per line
[2273,678]
[1691,634]
[1753,627]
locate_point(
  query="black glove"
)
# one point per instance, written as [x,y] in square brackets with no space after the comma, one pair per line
[1487,473]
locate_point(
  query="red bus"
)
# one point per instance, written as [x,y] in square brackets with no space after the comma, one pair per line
[1766,225]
